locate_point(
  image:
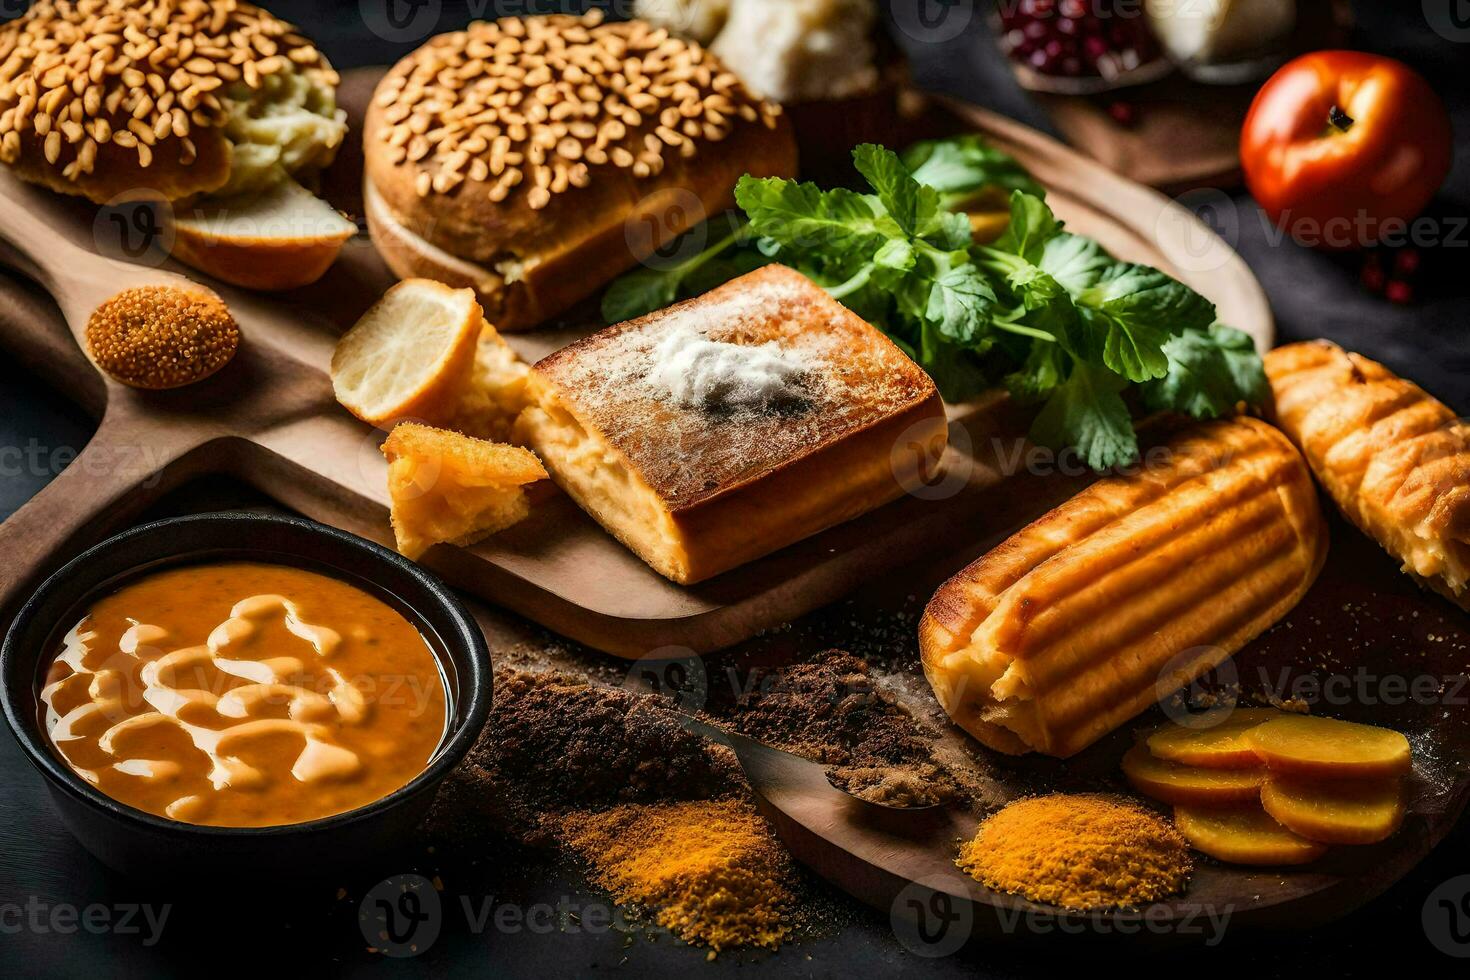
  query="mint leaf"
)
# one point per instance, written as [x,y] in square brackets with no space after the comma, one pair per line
[1087,411]
[1032,226]
[959,305]
[962,168]
[1210,373]
[1130,314]
[803,216]
[908,202]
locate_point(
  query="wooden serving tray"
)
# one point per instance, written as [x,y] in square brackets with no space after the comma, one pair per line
[269,419]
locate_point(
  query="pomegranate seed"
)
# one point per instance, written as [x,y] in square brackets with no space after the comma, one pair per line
[1399,291]
[1406,262]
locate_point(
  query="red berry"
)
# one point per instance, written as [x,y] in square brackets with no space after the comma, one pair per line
[1399,291]
[1406,261]
[1372,274]
[1122,113]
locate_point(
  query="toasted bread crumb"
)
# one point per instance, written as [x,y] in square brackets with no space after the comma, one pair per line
[446,487]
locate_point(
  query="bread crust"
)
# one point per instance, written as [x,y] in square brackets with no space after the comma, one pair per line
[118,177]
[1393,458]
[1131,589]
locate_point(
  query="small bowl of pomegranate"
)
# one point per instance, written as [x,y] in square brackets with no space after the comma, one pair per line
[1079,47]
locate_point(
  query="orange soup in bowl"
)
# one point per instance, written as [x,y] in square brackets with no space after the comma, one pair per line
[244,695]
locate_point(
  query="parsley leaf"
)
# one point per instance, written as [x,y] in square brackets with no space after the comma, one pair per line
[1131,313]
[805,217]
[1049,313]
[1074,261]
[1087,411]
[1210,373]
[909,203]
[959,305]
[963,168]
[1032,226]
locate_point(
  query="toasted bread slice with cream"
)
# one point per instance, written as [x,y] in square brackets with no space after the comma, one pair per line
[724,428]
[1125,593]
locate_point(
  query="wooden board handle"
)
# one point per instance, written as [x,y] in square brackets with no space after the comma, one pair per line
[124,468]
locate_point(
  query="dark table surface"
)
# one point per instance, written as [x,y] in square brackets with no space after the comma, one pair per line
[62,914]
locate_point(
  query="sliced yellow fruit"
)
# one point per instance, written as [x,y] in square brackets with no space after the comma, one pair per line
[1244,835]
[1220,746]
[1330,749]
[448,487]
[1336,812]
[412,355]
[1173,783]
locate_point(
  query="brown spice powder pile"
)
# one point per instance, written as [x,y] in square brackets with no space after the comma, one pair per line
[831,711]
[714,870]
[1082,851]
[555,743]
[659,816]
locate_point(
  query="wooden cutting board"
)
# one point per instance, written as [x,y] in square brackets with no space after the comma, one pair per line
[269,419]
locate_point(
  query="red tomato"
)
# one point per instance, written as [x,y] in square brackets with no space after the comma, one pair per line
[1342,149]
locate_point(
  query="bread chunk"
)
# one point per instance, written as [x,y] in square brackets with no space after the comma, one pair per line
[448,487]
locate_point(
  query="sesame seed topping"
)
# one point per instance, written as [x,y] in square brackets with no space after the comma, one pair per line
[545,98]
[139,74]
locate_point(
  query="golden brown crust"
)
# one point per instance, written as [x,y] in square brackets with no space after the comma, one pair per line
[1128,591]
[1393,458]
[119,178]
[726,487]
[557,248]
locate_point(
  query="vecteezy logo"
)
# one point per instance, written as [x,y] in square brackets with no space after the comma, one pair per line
[673,672]
[1198,685]
[930,923]
[1446,917]
[933,21]
[400,20]
[136,227]
[401,916]
[1450,19]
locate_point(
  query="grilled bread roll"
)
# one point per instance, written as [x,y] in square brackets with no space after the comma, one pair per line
[1396,460]
[1128,591]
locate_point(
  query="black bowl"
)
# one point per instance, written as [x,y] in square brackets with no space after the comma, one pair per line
[139,843]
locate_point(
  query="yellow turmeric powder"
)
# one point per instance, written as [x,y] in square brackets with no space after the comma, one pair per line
[713,870]
[1079,851]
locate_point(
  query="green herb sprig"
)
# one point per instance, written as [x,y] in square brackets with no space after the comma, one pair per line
[1049,314]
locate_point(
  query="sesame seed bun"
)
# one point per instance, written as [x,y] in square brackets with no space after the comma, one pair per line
[534,159]
[104,98]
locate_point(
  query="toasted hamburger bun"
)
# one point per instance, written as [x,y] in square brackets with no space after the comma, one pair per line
[537,205]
